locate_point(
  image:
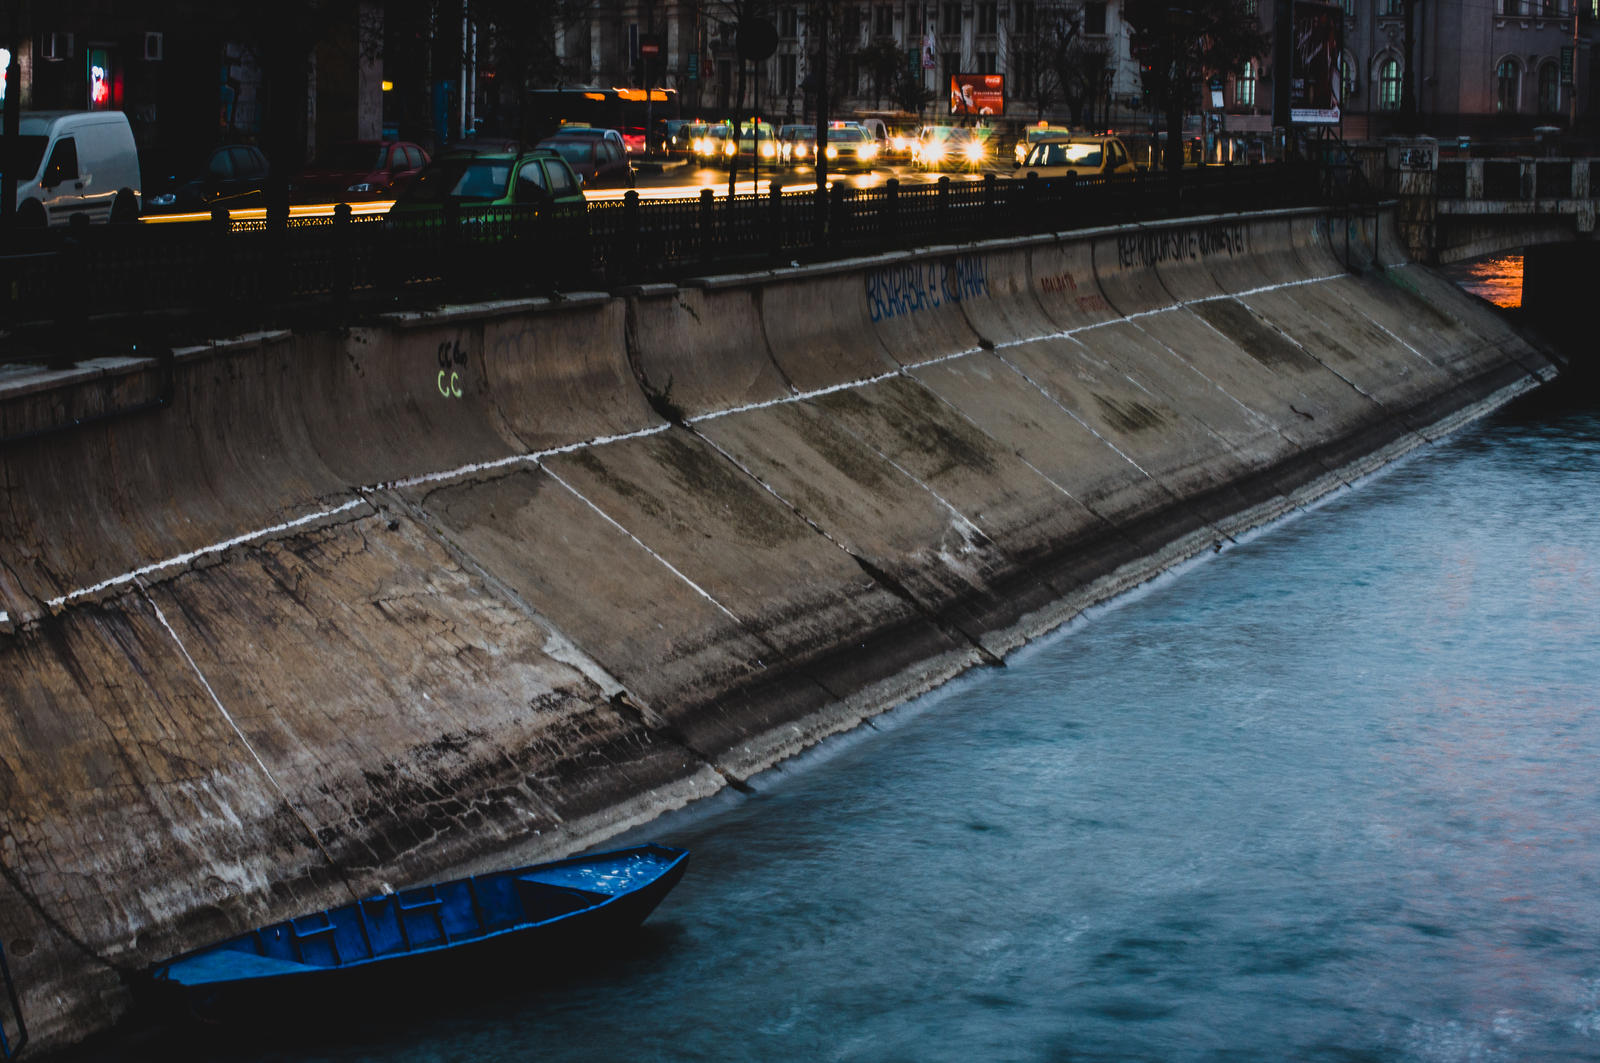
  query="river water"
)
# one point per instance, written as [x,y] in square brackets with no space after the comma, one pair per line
[1331,794]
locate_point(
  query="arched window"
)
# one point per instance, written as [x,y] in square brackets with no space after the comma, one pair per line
[1389,85]
[1506,77]
[1244,86]
[1347,82]
[1549,89]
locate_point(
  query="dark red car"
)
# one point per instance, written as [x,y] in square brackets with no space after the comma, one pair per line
[598,161]
[360,170]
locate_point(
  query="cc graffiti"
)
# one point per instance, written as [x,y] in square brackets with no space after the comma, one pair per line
[452,362]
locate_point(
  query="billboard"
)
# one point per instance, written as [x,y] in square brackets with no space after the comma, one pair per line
[1318,39]
[977,94]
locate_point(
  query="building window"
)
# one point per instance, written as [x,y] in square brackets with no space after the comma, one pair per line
[1025,15]
[1505,92]
[985,63]
[1022,75]
[1394,8]
[788,76]
[952,19]
[988,18]
[1389,85]
[884,24]
[1094,18]
[1244,86]
[788,22]
[1509,7]
[952,66]
[1549,89]
[1249,6]
[1347,81]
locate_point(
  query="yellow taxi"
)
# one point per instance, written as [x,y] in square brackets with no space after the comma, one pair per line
[1077,156]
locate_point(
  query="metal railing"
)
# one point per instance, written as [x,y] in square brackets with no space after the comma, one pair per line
[242,271]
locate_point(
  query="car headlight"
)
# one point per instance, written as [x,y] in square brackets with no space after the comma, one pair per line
[898,143]
[933,152]
[800,150]
[833,152]
[768,151]
[165,199]
[973,151]
[868,151]
[729,148]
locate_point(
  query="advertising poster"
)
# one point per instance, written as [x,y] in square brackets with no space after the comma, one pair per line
[977,94]
[1314,92]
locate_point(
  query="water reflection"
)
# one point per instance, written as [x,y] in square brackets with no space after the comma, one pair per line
[1496,278]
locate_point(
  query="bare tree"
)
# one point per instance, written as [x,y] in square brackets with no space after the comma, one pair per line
[1180,48]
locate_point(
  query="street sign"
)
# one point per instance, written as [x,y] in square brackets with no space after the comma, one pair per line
[649,44]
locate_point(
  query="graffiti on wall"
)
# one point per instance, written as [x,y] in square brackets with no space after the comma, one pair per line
[1150,249]
[452,356]
[1065,284]
[903,290]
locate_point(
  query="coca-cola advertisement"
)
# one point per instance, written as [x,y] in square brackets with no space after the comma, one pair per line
[978,95]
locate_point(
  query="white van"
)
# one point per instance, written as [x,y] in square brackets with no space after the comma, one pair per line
[76,162]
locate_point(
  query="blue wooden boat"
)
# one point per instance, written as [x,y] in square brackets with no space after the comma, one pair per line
[481,926]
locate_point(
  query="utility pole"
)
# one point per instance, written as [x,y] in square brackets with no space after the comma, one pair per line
[821,157]
[1282,65]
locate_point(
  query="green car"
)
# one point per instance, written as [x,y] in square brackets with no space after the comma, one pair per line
[539,178]
[501,204]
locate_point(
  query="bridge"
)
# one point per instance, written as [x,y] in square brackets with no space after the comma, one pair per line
[1455,209]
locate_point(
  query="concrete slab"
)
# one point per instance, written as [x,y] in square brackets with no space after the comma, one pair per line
[1125,269]
[1011,312]
[1065,285]
[562,376]
[700,350]
[538,539]
[820,331]
[788,585]
[915,307]
[1353,346]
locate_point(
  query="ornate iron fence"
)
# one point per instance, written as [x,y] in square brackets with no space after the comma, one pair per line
[375,261]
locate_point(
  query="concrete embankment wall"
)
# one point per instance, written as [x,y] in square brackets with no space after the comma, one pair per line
[492,583]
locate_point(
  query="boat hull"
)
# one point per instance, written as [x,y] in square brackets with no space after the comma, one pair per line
[284,970]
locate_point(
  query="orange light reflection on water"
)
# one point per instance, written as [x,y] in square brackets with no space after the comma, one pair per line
[1497,278]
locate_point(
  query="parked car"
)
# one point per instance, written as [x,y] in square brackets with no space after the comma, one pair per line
[796,144]
[491,179]
[708,143]
[950,148]
[634,141]
[1078,156]
[593,133]
[851,147]
[483,190]
[757,141]
[676,136]
[597,161]
[1033,134]
[360,170]
[75,162]
[901,141]
[233,175]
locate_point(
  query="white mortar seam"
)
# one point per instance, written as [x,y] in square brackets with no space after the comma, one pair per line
[214,548]
[536,456]
[228,716]
[1180,304]
[670,567]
